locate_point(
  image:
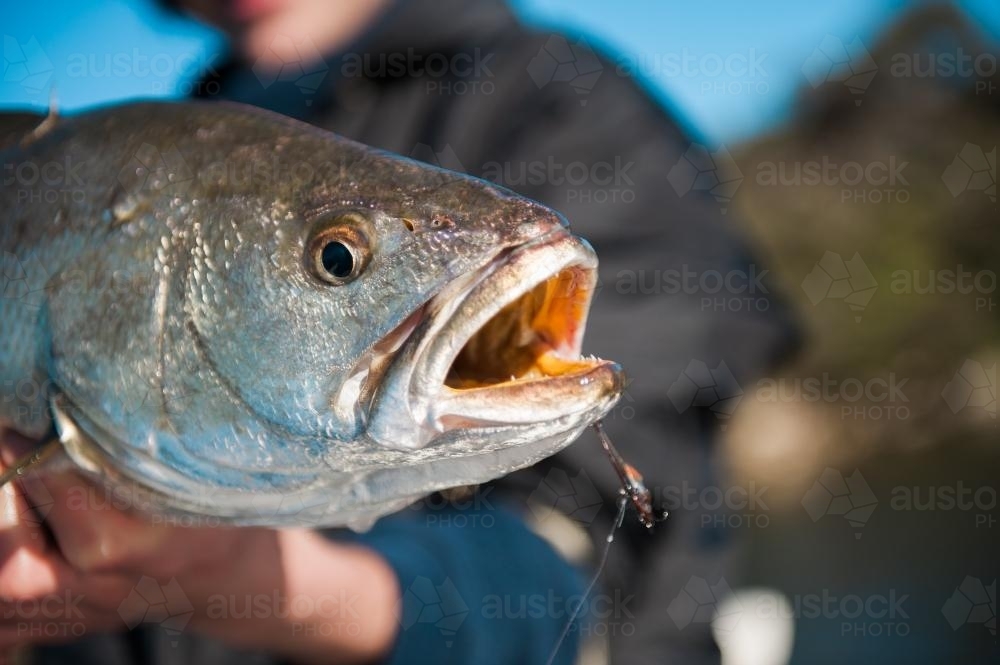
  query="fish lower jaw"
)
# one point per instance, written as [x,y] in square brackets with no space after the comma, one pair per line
[530,399]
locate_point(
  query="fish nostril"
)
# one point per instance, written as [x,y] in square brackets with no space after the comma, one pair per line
[439,221]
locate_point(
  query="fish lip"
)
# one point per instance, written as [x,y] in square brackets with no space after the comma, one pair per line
[454,315]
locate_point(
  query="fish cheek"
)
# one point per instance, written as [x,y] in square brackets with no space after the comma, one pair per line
[281,343]
[106,322]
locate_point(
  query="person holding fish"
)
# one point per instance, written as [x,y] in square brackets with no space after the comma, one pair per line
[346,331]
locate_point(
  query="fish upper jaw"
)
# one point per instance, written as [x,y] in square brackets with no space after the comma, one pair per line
[499,347]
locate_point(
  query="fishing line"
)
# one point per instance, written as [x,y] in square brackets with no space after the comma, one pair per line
[600,569]
[35,458]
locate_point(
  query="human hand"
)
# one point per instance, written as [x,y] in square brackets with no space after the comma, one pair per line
[290,592]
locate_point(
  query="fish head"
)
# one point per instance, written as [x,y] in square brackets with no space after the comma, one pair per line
[493,355]
[420,306]
[348,325]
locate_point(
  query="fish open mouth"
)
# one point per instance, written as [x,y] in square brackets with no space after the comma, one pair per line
[509,352]
[532,337]
[500,347]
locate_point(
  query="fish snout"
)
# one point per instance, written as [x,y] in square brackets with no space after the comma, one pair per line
[504,350]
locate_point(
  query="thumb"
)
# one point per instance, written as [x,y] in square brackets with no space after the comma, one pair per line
[23,539]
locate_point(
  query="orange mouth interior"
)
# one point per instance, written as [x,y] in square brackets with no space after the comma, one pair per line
[533,337]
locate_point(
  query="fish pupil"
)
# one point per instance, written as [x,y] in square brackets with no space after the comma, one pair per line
[338,260]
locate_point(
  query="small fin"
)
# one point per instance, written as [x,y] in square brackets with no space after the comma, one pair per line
[50,121]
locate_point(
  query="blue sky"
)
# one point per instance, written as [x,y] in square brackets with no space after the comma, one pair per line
[654,36]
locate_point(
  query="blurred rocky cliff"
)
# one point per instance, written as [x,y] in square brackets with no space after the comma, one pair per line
[876,212]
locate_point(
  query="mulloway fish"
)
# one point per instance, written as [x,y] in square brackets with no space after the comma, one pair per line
[244,317]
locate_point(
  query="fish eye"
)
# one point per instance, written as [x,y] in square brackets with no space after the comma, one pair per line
[337,259]
[338,252]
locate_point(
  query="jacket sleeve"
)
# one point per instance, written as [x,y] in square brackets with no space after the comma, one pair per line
[478,586]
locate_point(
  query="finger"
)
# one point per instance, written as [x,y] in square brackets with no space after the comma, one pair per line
[42,598]
[25,569]
[95,536]
[54,619]
[92,535]
[48,600]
